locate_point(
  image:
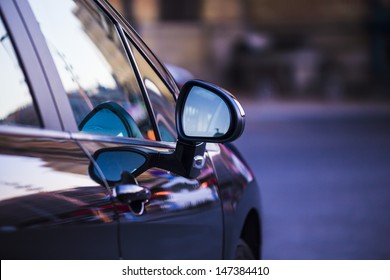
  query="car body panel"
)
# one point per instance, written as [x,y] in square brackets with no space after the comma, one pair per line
[239,195]
[183,218]
[49,206]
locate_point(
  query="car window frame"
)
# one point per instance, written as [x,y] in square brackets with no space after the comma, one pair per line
[31,68]
[127,34]
[55,92]
[53,79]
[125,31]
[131,44]
[142,47]
[134,65]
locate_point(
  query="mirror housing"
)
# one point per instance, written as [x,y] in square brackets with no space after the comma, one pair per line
[207,113]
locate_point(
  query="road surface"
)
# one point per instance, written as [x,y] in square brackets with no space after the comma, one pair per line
[324,173]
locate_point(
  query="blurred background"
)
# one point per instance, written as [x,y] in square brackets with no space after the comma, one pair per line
[314,80]
[326,50]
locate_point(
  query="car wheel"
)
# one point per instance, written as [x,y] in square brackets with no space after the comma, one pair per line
[243,251]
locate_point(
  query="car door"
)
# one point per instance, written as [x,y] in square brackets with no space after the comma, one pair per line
[183,218]
[49,206]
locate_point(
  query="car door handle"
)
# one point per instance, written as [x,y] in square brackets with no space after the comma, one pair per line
[135,196]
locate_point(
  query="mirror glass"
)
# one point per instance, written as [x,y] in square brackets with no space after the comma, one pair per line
[109,118]
[205,114]
[114,163]
[105,122]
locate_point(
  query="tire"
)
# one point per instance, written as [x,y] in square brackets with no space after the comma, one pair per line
[243,251]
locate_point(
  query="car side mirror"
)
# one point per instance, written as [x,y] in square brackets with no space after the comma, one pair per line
[207,113]
[204,113]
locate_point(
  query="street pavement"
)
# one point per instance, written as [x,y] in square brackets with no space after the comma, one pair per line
[324,174]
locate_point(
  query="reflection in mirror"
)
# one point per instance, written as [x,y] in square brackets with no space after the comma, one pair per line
[205,114]
[105,122]
[109,118]
[114,163]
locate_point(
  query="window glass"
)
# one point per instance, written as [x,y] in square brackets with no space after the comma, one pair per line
[161,97]
[90,59]
[16,106]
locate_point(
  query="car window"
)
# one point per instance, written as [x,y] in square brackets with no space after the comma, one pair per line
[161,98]
[91,60]
[16,105]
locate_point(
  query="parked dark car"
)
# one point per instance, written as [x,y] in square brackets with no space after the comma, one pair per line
[101,157]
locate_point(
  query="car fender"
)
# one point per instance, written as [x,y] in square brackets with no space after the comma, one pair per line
[239,194]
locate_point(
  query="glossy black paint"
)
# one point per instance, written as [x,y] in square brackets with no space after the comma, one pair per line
[49,206]
[239,196]
[180,215]
[52,208]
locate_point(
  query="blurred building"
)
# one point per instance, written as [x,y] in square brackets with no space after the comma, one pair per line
[331,49]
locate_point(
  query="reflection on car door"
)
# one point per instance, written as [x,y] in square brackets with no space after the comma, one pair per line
[49,207]
[182,220]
